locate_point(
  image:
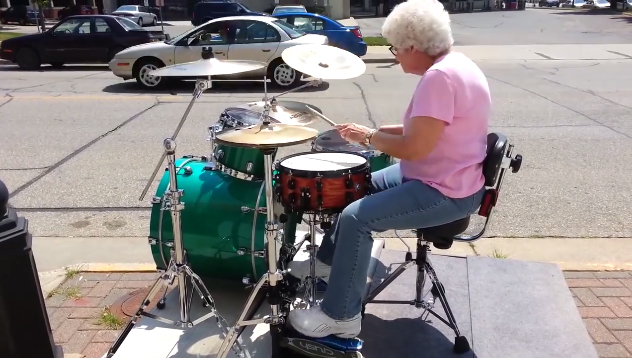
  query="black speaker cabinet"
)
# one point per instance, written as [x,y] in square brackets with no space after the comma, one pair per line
[25,331]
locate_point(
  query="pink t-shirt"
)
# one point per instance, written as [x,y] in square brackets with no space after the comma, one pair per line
[454,90]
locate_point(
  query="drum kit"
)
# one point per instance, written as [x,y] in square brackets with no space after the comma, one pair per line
[243,205]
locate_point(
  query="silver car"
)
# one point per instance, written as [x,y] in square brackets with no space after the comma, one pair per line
[257,38]
[138,14]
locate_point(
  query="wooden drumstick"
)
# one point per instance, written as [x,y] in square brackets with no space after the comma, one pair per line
[321,116]
[329,121]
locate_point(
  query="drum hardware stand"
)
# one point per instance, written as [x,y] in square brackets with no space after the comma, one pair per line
[177,268]
[272,278]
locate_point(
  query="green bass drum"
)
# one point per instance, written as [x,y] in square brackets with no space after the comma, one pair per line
[221,233]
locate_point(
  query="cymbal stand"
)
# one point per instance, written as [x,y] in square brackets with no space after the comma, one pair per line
[312,248]
[272,278]
[269,103]
[178,268]
[200,86]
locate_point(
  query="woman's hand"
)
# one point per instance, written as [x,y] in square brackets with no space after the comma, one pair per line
[353,132]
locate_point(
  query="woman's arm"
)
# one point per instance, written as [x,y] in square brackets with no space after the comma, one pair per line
[392,129]
[432,109]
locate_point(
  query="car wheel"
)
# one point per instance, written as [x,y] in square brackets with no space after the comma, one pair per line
[282,75]
[22,22]
[154,22]
[27,59]
[142,70]
[140,22]
[3,21]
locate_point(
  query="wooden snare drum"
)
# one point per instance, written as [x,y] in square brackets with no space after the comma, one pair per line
[325,182]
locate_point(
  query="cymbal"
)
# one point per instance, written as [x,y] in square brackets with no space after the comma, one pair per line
[285,112]
[266,136]
[208,67]
[324,61]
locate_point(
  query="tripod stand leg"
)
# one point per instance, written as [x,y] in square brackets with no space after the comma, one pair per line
[139,313]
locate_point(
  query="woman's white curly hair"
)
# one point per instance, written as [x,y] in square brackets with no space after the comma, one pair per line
[422,24]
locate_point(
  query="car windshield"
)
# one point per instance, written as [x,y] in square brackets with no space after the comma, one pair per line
[289,29]
[288,10]
[128,24]
[127,8]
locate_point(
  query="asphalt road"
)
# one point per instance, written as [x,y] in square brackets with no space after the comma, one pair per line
[79,145]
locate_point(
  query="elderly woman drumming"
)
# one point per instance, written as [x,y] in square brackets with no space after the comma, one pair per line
[441,143]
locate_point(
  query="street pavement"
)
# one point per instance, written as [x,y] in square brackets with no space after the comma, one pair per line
[79,144]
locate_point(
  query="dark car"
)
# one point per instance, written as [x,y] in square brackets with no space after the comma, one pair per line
[82,39]
[549,3]
[345,37]
[74,10]
[20,14]
[208,10]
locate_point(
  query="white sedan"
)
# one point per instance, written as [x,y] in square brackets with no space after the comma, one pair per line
[256,38]
[138,14]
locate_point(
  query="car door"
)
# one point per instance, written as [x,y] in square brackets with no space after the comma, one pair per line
[215,35]
[254,40]
[101,41]
[147,16]
[70,41]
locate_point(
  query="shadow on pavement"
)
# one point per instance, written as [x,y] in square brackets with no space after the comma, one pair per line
[186,88]
[6,66]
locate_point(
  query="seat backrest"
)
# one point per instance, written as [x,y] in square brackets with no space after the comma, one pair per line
[496,149]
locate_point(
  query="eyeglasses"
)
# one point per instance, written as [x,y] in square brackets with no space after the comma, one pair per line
[393,50]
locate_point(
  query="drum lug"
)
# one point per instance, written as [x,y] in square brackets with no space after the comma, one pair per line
[244,251]
[153,241]
[246,209]
[249,167]
[156,200]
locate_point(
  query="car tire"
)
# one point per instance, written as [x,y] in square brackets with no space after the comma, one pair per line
[154,22]
[282,75]
[140,22]
[27,59]
[113,51]
[141,70]
[3,21]
[22,22]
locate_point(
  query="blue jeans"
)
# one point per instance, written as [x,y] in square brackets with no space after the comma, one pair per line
[396,204]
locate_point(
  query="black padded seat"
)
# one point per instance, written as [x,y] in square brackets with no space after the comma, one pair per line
[441,236]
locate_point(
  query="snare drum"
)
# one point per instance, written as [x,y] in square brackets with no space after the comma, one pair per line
[323,183]
[244,163]
[332,141]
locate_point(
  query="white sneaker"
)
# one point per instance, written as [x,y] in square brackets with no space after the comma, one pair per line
[314,323]
[301,269]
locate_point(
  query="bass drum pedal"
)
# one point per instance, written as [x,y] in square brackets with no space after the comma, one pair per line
[293,344]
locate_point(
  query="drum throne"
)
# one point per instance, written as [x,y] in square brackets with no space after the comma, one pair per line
[498,160]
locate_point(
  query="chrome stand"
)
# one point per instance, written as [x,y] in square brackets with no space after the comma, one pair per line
[200,87]
[311,281]
[271,278]
[178,268]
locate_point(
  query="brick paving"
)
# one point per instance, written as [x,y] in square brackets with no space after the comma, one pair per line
[604,301]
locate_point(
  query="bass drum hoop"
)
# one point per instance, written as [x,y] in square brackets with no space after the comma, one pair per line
[325,174]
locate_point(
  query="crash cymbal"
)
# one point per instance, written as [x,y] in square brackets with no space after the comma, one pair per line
[208,67]
[324,62]
[285,112]
[266,136]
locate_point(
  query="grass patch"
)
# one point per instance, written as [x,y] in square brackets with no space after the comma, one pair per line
[70,292]
[8,35]
[376,41]
[499,254]
[109,320]
[70,273]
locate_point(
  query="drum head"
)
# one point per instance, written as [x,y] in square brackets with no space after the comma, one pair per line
[323,162]
[331,140]
[233,117]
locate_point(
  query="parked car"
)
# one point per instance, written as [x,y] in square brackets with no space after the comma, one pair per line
[256,38]
[596,4]
[549,3]
[345,37]
[20,14]
[205,11]
[79,39]
[138,14]
[288,9]
[74,10]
